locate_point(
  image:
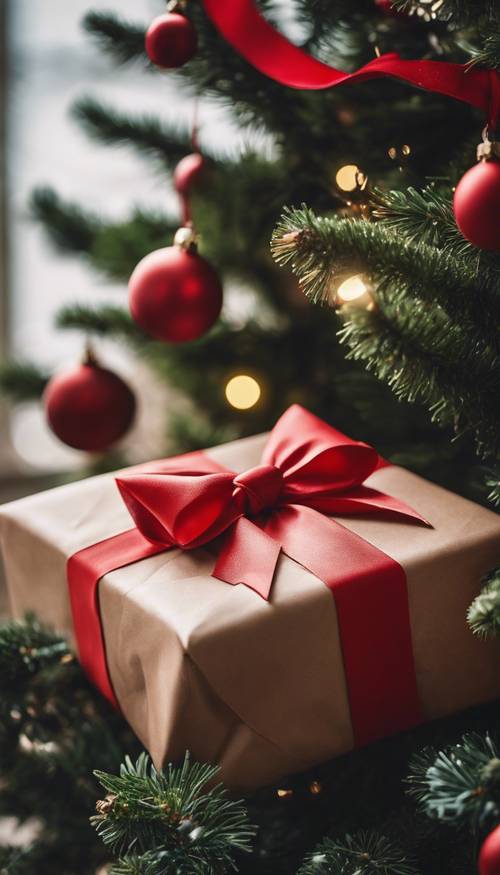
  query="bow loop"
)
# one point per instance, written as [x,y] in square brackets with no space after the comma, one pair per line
[337,469]
[185,510]
[315,458]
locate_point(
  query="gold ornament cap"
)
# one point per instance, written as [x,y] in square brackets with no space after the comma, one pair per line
[185,238]
[488,150]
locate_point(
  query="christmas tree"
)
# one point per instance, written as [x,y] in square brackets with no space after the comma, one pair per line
[315,144]
[368,173]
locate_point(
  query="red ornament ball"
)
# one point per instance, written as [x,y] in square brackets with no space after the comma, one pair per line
[175,295]
[387,8]
[189,172]
[477,205]
[89,407]
[171,40]
[489,856]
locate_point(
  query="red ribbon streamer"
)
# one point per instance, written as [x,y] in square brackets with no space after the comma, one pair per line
[243,26]
[308,471]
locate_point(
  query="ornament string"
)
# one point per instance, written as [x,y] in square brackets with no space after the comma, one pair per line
[185,193]
[246,29]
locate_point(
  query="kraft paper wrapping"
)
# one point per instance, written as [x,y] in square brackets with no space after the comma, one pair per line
[257,687]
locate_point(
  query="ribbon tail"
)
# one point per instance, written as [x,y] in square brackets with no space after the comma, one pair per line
[244,27]
[376,500]
[365,500]
[84,571]
[371,598]
[249,556]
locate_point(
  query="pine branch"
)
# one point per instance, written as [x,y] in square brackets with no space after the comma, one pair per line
[26,648]
[410,342]
[217,70]
[22,381]
[461,11]
[460,784]
[321,249]
[121,245]
[120,39]
[70,228]
[155,862]
[146,134]
[484,614]
[427,216]
[361,854]
[488,54]
[54,728]
[170,813]
[35,857]
[494,484]
[103,320]
[451,393]
[113,248]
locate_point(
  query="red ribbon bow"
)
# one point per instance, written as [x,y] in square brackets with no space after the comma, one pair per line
[305,464]
[308,471]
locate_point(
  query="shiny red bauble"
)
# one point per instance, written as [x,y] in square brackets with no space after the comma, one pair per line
[188,172]
[89,407]
[171,40]
[489,856]
[387,8]
[175,294]
[477,205]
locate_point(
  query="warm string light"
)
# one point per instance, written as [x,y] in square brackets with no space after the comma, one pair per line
[400,154]
[404,152]
[315,788]
[351,186]
[34,746]
[350,178]
[243,392]
[353,293]
[428,10]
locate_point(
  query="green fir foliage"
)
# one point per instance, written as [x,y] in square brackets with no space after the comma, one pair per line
[460,784]
[361,854]
[431,339]
[170,813]
[55,728]
[22,381]
[484,613]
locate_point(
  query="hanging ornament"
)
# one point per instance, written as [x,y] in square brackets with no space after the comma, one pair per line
[89,407]
[477,198]
[175,295]
[171,39]
[188,173]
[489,856]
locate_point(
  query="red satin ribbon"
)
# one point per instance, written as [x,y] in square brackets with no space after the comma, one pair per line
[308,470]
[243,26]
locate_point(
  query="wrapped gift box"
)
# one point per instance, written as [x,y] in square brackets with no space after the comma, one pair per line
[257,686]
